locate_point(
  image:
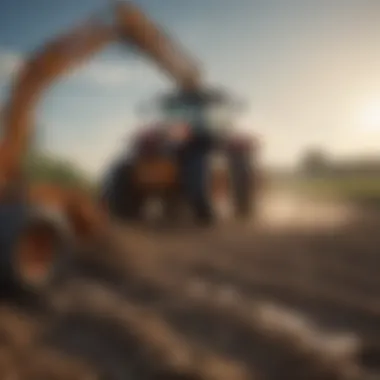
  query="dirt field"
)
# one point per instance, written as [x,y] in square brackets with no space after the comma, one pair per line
[295,297]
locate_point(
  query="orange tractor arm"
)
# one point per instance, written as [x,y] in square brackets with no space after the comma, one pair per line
[129,26]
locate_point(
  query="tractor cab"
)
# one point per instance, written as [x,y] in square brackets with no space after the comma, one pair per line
[182,114]
[173,160]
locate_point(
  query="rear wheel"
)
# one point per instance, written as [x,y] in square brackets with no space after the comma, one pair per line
[33,249]
[121,197]
[242,183]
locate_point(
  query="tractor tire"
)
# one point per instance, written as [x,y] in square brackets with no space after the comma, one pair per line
[196,178]
[120,196]
[242,184]
[35,245]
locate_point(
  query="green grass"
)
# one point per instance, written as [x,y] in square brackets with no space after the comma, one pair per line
[357,189]
[46,168]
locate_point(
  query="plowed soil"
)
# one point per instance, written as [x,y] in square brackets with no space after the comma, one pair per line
[295,295]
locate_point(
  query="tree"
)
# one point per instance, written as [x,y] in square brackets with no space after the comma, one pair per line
[42,167]
[315,161]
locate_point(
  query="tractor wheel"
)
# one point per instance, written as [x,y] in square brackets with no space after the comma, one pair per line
[242,178]
[120,195]
[196,187]
[34,247]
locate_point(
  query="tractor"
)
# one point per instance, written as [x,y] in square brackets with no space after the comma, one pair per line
[190,158]
[42,224]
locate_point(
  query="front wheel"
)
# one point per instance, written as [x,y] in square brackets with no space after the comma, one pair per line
[120,195]
[242,178]
[196,175]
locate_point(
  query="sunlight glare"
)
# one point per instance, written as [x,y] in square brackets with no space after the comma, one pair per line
[371,117]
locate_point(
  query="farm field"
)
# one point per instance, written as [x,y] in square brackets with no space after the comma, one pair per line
[293,296]
[356,189]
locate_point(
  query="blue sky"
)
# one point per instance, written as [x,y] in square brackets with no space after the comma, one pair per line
[309,69]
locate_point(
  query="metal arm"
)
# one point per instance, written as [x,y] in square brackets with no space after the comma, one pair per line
[129,26]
